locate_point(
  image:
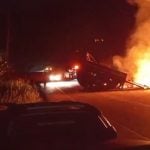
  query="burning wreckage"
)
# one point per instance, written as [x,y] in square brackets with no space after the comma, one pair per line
[94,76]
[91,75]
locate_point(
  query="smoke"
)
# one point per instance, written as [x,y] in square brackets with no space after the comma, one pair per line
[138,44]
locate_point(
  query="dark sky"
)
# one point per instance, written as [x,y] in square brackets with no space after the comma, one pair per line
[50,30]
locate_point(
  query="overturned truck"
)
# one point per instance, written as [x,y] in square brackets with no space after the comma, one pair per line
[93,76]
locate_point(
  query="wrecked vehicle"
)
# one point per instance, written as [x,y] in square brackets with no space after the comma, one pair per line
[95,76]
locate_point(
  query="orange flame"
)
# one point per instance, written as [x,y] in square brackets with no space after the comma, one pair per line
[143,72]
[137,61]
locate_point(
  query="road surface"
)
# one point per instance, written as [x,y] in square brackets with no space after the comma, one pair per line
[127,110]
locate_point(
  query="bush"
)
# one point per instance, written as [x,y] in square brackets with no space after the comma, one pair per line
[18,91]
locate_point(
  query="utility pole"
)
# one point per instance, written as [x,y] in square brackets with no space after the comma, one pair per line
[8,36]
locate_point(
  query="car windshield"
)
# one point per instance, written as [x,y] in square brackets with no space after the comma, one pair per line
[74,72]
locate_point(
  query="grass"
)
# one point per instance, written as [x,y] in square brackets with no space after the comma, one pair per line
[18,91]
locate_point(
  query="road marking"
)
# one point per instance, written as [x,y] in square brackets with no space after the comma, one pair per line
[67,95]
[132,131]
[115,98]
[118,124]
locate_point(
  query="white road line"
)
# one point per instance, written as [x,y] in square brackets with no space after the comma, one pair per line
[132,131]
[65,94]
[130,102]
[118,124]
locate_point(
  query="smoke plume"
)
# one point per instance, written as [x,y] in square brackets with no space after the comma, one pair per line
[137,60]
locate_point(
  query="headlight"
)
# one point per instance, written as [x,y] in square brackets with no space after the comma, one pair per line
[55,77]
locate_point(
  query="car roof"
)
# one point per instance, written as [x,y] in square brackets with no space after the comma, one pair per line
[54,107]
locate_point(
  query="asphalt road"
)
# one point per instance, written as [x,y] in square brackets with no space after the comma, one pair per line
[127,110]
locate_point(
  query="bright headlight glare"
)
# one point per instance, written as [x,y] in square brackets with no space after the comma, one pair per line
[56,77]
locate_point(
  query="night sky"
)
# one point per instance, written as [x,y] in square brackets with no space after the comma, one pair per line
[44,31]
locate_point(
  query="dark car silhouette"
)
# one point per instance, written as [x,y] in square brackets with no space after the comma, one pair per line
[54,125]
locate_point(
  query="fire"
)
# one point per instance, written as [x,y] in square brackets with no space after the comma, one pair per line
[143,72]
[137,60]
